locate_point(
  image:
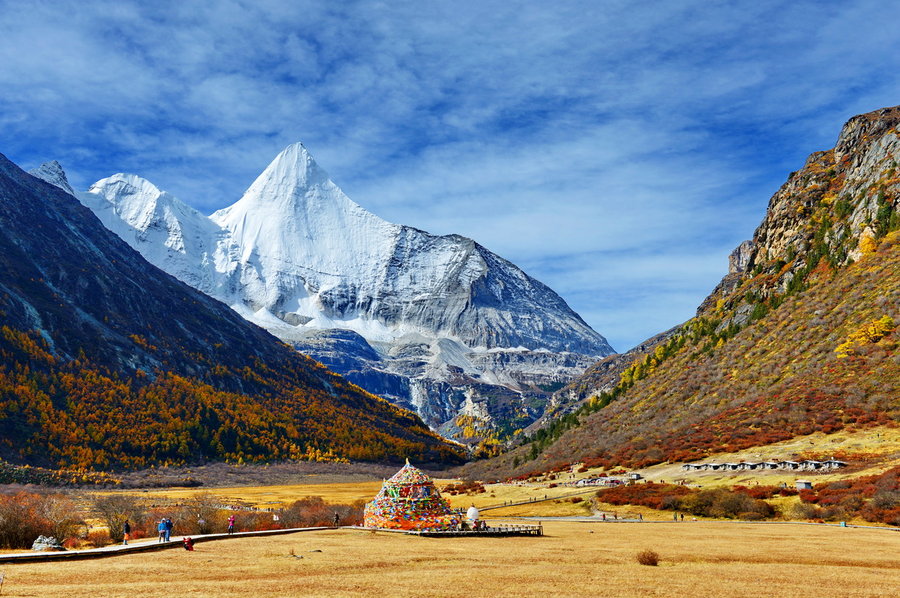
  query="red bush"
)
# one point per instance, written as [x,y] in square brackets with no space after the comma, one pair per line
[649,495]
[874,498]
[757,492]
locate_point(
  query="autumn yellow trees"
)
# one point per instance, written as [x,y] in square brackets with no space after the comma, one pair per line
[81,415]
[872,332]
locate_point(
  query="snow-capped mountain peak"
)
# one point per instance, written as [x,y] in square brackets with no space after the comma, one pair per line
[51,172]
[169,233]
[297,256]
[292,172]
[295,215]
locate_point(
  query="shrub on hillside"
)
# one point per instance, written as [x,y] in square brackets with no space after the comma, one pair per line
[802,510]
[758,492]
[720,502]
[469,487]
[875,498]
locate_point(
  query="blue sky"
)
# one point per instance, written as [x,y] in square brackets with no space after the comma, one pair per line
[617,151]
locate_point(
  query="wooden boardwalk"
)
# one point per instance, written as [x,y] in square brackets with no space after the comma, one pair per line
[497,531]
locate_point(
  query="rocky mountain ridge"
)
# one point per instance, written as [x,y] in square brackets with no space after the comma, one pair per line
[832,210]
[437,324]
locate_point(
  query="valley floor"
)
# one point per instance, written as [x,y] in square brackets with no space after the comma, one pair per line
[572,559]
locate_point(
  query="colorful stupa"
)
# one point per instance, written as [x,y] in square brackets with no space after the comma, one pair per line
[410,501]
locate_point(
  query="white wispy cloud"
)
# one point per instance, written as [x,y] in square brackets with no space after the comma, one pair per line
[616,150]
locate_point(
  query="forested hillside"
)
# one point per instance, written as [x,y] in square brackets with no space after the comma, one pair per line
[801,336]
[106,361]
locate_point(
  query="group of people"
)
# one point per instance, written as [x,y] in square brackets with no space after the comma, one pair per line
[165,529]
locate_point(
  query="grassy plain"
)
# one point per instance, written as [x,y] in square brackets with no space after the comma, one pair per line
[349,492]
[272,496]
[572,559]
[881,444]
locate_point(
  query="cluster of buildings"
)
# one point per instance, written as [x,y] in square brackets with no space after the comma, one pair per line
[608,481]
[807,465]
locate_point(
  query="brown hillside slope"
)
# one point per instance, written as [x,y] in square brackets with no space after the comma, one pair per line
[800,336]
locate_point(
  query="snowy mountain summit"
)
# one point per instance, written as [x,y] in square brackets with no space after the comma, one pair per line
[436,323]
[324,258]
[53,173]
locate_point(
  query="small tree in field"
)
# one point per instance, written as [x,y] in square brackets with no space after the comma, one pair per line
[19,520]
[203,514]
[60,514]
[114,509]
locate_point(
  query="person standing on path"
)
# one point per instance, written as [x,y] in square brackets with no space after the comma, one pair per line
[168,528]
[337,520]
[231,524]
[161,529]
[126,531]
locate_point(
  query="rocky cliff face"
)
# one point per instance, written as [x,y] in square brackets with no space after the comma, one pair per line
[435,323]
[826,215]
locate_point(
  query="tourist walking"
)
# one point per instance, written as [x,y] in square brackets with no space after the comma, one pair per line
[168,528]
[126,531]
[231,524]
[337,519]
[161,529]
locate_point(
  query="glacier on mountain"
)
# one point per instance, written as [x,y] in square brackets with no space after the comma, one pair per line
[438,324]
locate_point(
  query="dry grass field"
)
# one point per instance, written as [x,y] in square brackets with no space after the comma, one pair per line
[347,493]
[573,559]
[272,496]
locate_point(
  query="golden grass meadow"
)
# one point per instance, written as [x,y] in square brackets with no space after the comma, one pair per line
[572,559]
